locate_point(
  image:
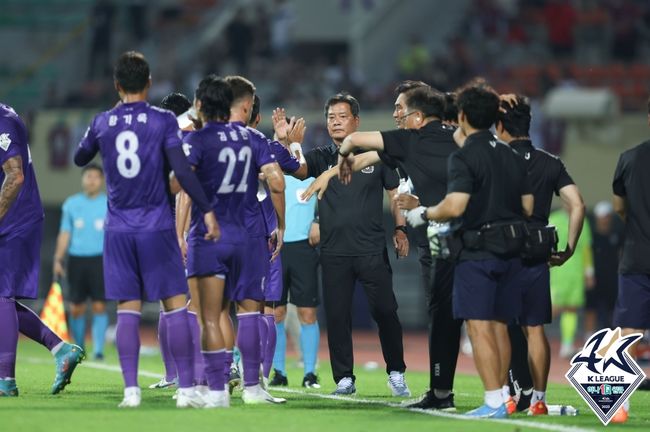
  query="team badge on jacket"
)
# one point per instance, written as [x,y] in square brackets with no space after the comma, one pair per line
[604,373]
[368,170]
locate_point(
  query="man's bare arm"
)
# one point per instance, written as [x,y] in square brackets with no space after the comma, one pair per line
[14,178]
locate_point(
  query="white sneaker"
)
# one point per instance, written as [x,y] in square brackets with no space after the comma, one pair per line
[131,399]
[163,383]
[202,390]
[256,395]
[189,398]
[397,384]
[217,399]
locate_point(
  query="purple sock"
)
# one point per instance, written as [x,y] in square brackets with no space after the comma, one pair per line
[199,367]
[214,363]
[180,345]
[227,363]
[264,333]
[165,353]
[267,362]
[127,339]
[248,341]
[9,339]
[31,326]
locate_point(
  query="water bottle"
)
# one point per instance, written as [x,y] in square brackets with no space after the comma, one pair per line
[562,410]
[404,188]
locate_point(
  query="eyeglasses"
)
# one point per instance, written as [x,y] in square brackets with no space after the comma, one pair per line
[404,116]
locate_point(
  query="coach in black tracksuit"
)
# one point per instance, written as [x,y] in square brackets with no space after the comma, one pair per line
[546,176]
[353,248]
[421,148]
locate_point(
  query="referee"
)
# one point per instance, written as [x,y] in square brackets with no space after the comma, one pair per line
[421,147]
[353,248]
[488,188]
[81,236]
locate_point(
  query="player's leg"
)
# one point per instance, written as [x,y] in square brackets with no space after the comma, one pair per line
[272,295]
[79,293]
[98,297]
[127,341]
[376,276]
[539,358]
[231,369]
[271,340]
[279,356]
[338,289]
[194,317]
[8,345]
[519,378]
[309,342]
[170,377]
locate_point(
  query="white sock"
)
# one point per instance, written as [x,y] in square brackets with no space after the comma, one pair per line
[57,348]
[493,398]
[538,396]
[505,392]
[441,394]
[128,391]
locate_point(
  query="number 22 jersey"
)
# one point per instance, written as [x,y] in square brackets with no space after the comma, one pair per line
[132,139]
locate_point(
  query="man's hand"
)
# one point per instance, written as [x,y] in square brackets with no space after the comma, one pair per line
[401,243]
[297,132]
[406,201]
[275,242]
[319,185]
[212,226]
[345,168]
[314,234]
[280,125]
[182,244]
[559,258]
[414,216]
[510,99]
[57,270]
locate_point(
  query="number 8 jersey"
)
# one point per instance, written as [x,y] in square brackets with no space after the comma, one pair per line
[132,139]
[227,163]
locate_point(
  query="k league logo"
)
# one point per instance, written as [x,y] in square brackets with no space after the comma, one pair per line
[604,374]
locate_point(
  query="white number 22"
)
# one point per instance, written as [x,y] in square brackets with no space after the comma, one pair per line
[127,154]
[227,155]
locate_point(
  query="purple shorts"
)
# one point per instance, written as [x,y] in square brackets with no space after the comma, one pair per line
[536,294]
[632,308]
[487,290]
[143,266]
[253,273]
[207,258]
[20,258]
[273,287]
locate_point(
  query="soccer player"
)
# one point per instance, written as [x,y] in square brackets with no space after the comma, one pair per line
[547,176]
[487,186]
[248,291]
[81,236]
[420,147]
[353,248]
[142,259]
[632,203]
[21,228]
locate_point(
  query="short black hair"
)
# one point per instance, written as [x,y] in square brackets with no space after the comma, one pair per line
[343,97]
[241,87]
[426,100]
[256,107]
[407,85]
[92,167]
[216,100]
[451,110]
[480,104]
[131,72]
[177,103]
[516,120]
[203,84]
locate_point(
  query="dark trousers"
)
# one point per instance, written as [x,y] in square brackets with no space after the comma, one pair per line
[375,275]
[444,331]
[519,377]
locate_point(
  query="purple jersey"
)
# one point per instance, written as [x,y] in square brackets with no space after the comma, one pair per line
[227,161]
[287,163]
[132,139]
[26,209]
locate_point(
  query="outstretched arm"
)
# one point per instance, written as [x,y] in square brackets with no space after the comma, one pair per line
[572,200]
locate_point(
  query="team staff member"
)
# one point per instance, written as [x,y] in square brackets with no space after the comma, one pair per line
[300,283]
[353,247]
[547,176]
[632,203]
[488,188]
[81,236]
[420,147]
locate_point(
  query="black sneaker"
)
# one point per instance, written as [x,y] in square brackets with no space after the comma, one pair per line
[430,401]
[278,380]
[310,381]
[524,400]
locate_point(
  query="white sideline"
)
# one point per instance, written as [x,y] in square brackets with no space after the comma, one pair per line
[434,413]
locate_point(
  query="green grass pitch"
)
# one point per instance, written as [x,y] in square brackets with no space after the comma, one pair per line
[90,404]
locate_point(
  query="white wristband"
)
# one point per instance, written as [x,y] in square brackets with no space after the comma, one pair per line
[294,148]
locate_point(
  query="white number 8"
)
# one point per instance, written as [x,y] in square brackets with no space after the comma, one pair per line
[127,154]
